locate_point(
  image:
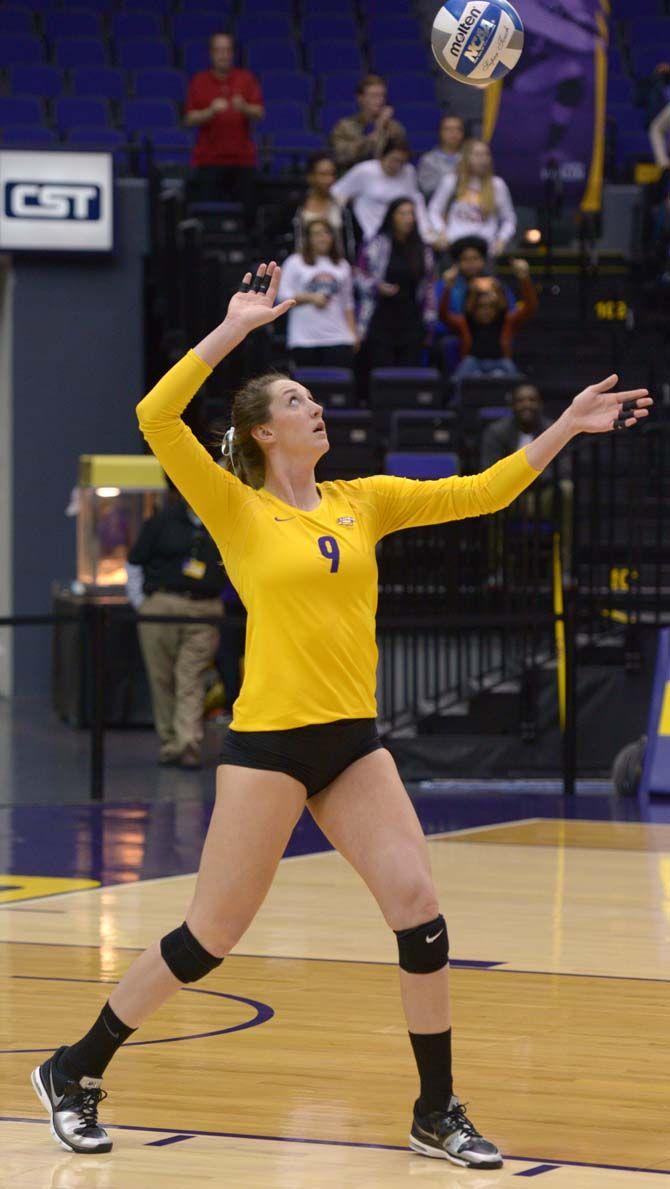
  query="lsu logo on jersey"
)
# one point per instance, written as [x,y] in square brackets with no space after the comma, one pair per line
[347,521]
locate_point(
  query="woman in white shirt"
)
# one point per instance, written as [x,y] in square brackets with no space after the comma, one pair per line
[474,202]
[321,325]
[372,185]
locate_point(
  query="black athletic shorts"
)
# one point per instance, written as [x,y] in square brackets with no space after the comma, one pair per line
[314,755]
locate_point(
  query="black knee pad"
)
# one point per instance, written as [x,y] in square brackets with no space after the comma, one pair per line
[185,957]
[424,949]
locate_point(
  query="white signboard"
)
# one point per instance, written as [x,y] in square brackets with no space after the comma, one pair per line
[56,202]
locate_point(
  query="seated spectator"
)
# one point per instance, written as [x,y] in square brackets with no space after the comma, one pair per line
[320,204]
[519,427]
[396,279]
[470,262]
[442,161]
[653,95]
[321,326]
[364,135]
[487,326]
[182,576]
[372,185]
[474,202]
[222,103]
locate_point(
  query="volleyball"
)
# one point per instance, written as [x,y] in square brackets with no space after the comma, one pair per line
[477,42]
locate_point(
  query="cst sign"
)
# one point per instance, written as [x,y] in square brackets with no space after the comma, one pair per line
[56,201]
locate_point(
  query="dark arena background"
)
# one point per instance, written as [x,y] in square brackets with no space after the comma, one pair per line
[524,657]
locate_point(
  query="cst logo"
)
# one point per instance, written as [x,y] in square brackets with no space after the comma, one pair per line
[58,201]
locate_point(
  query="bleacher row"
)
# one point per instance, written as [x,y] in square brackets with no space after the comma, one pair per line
[636,47]
[99,77]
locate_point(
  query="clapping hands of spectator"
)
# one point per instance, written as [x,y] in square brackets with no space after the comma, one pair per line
[384,118]
[219,104]
[520,268]
[450,275]
[386,289]
[238,103]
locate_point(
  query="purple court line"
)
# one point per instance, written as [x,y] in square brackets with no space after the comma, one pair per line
[263,1012]
[333,1143]
[495,966]
[169,1139]
[536,1171]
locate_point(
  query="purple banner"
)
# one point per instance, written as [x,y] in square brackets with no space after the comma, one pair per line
[547,119]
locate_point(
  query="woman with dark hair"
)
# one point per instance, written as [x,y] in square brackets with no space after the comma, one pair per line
[371,185]
[320,204]
[488,325]
[302,556]
[395,277]
[321,325]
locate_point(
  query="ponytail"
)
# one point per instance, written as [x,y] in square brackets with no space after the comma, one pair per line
[242,455]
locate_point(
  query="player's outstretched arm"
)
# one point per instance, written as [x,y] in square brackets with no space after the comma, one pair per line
[246,312]
[595,410]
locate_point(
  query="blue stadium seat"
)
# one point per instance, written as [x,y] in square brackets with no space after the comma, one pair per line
[72,111]
[162,6]
[80,51]
[139,53]
[338,85]
[339,110]
[46,81]
[336,55]
[71,22]
[291,151]
[172,144]
[270,24]
[25,109]
[415,86]
[318,28]
[269,53]
[162,83]
[281,85]
[193,23]
[137,24]
[422,465]
[333,387]
[633,144]
[383,26]
[20,50]
[86,137]
[27,137]
[335,8]
[194,56]
[390,56]
[285,118]
[146,115]
[16,20]
[108,81]
[420,117]
[98,6]
[421,140]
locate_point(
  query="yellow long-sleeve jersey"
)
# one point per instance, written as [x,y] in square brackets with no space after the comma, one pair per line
[307,579]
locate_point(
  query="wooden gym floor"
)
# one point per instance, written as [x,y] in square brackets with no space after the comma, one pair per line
[290,1065]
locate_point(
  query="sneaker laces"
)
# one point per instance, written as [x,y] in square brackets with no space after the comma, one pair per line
[86,1105]
[457,1120]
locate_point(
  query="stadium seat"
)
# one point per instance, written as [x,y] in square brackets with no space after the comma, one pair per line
[419,117]
[194,56]
[146,115]
[42,80]
[383,26]
[16,20]
[285,118]
[271,24]
[353,445]
[403,388]
[415,429]
[318,28]
[136,24]
[162,6]
[27,137]
[25,109]
[336,85]
[162,83]
[172,144]
[267,53]
[71,22]
[390,56]
[140,53]
[18,49]
[417,86]
[422,465]
[338,110]
[282,85]
[103,139]
[70,52]
[193,23]
[332,387]
[98,80]
[336,55]
[290,150]
[632,144]
[72,111]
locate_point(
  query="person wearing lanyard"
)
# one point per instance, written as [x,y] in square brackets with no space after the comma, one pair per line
[182,577]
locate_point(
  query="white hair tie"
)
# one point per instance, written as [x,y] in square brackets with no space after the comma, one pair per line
[227,447]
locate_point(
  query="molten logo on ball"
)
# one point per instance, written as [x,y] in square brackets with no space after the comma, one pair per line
[477,43]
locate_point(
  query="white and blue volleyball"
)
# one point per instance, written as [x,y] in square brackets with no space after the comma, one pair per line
[477,41]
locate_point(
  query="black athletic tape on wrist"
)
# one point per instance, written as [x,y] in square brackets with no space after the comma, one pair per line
[244,287]
[425,948]
[185,957]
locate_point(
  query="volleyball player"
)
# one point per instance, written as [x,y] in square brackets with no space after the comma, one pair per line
[302,557]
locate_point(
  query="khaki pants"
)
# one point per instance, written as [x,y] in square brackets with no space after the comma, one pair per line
[177,656]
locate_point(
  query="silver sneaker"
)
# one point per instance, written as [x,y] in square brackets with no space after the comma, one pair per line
[74,1112]
[449,1135]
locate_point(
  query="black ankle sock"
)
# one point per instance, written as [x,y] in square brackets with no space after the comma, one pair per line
[432,1053]
[91,1055]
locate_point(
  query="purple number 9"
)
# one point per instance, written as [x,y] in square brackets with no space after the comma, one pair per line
[330,550]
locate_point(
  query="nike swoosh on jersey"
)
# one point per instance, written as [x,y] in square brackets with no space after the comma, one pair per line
[430,940]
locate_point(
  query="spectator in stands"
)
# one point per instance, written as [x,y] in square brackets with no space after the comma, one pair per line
[488,325]
[474,202]
[321,325]
[364,135]
[396,274]
[372,185]
[654,97]
[222,103]
[523,423]
[470,257]
[444,160]
[182,576]
[320,204]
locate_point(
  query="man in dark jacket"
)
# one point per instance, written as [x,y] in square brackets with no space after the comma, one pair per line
[182,575]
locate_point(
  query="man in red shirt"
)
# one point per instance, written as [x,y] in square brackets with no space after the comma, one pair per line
[221,102]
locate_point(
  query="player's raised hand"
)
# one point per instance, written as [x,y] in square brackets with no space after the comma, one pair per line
[255,305]
[598,409]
